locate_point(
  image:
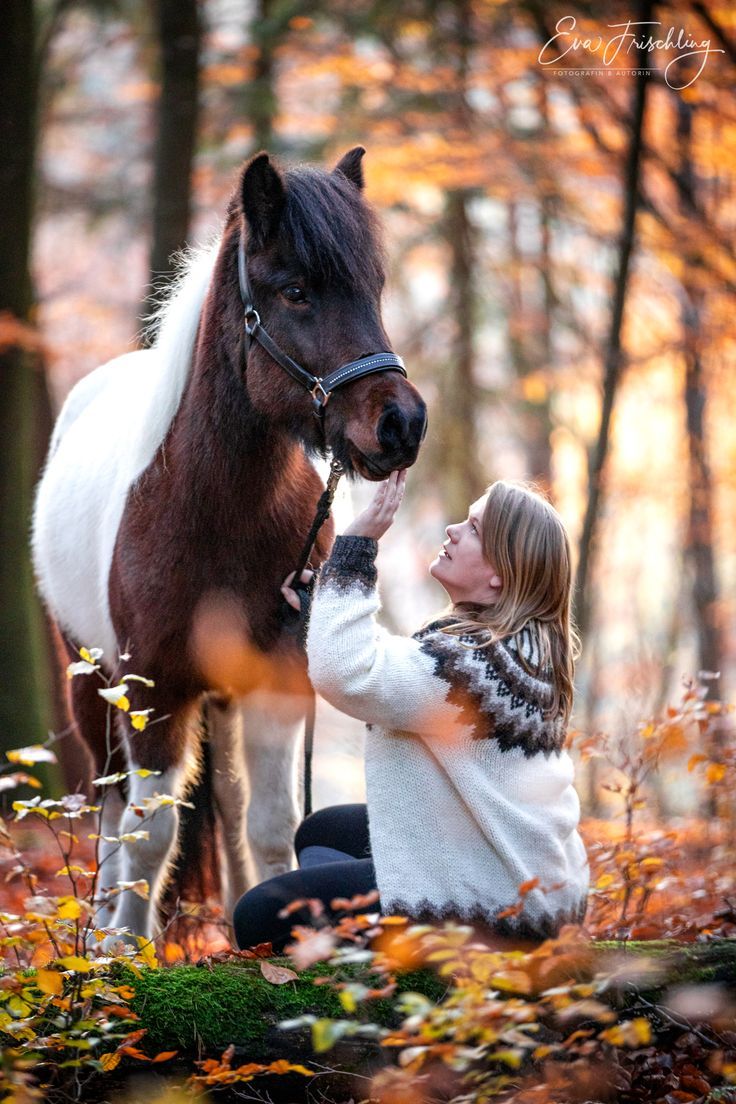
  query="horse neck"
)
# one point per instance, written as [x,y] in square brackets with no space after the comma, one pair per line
[225,444]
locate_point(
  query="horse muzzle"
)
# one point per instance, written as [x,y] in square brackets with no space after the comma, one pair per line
[399,435]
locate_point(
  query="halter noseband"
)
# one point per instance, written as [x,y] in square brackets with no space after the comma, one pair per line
[319,387]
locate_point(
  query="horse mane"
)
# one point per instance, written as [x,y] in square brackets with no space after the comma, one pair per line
[171,327]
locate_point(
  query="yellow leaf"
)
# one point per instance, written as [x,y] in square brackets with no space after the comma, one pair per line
[633,1033]
[514,981]
[147,952]
[509,1057]
[75,962]
[18,1008]
[715,772]
[50,981]
[694,760]
[109,1061]
[642,1030]
[604,881]
[27,756]
[69,908]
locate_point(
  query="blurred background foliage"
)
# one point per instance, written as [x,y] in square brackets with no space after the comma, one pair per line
[562,277]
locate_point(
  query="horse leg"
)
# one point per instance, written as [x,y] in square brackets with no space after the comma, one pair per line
[146,857]
[230,790]
[271,741]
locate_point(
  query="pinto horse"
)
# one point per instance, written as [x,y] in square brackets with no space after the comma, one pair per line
[177,495]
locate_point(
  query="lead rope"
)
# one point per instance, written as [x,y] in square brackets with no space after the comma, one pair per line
[321,514]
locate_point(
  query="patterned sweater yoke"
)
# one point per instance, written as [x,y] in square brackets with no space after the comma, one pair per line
[469,786]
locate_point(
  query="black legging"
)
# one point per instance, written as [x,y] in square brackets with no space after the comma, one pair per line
[342,828]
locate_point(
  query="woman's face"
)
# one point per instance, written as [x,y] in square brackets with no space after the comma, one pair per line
[461,567]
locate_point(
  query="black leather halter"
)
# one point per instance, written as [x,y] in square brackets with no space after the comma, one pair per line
[319,387]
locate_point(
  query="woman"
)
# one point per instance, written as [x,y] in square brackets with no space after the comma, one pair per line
[469,789]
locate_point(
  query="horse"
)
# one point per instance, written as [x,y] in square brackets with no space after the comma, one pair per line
[176,496]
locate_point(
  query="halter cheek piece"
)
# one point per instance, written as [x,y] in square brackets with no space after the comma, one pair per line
[319,387]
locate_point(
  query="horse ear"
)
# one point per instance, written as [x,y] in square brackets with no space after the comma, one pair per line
[263,195]
[350,165]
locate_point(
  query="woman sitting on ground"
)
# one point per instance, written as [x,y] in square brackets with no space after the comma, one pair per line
[469,787]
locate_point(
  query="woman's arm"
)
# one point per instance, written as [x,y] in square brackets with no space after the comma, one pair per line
[362,669]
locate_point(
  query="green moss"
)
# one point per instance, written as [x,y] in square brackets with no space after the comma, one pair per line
[193,1008]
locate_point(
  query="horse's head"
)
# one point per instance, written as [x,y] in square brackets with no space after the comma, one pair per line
[315,270]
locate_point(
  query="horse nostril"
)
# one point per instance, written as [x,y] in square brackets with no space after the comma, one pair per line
[392,429]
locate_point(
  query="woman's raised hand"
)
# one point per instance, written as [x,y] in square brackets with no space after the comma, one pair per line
[288,591]
[378,516]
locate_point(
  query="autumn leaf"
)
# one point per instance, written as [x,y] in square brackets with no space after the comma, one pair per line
[630,1033]
[50,981]
[134,1052]
[70,908]
[116,695]
[139,720]
[277,975]
[513,981]
[75,962]
[714,772]
[27,756]
[18,778]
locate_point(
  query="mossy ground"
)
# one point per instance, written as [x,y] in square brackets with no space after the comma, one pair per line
[195,1009]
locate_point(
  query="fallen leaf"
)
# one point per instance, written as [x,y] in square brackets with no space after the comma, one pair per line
[277,975]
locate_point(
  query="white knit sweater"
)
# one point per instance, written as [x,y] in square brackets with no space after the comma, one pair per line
[469,789]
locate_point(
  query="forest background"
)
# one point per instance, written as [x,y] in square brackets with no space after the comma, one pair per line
[560,237]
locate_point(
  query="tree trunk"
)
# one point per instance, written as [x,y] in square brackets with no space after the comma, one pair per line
[613,353]
[530,306]
[458,463]
[23,661]
[461,477]
[179,35]
[700,516]
[262,101]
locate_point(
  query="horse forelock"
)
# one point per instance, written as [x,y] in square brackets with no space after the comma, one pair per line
[331,232]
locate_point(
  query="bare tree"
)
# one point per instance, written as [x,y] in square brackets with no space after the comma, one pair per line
[613,352]
[457,412]
[179,35]
[23,661]
[699,546]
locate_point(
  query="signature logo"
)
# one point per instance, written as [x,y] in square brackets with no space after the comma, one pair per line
[629,36]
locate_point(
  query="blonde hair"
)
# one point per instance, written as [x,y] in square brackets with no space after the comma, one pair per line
[525,540]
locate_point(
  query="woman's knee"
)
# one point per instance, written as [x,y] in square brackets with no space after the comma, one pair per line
[256,916]
[334,826]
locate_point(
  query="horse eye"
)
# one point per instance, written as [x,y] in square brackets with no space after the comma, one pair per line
[294,294]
